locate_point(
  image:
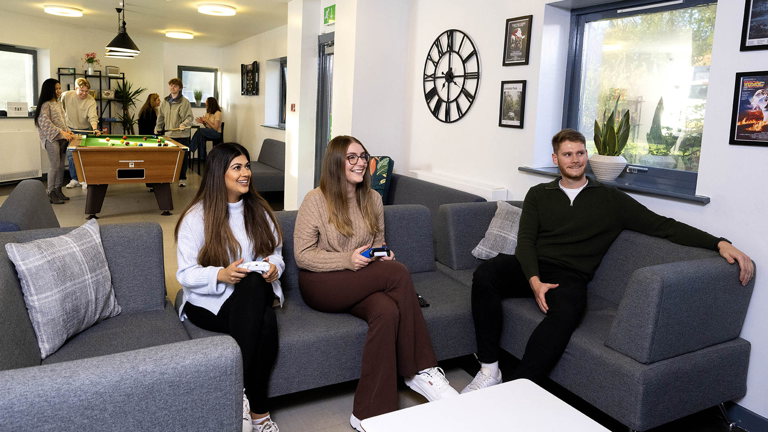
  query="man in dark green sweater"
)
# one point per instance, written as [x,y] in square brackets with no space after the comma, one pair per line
[565,229]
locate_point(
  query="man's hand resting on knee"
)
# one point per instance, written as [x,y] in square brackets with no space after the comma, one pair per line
[540,290]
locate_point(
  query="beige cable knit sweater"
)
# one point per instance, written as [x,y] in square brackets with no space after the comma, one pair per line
[319,246]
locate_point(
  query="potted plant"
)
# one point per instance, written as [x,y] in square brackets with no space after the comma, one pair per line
[198,97]
[88,60]
[126,95]
[610,140]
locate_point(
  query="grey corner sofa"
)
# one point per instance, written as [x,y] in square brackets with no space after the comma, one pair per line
[268,171]
[660,338]
[138,371]
[319,349]
[27,207]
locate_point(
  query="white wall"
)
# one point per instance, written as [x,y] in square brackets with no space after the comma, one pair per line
[245,114]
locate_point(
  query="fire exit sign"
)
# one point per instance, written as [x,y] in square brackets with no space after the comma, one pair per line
[329,15]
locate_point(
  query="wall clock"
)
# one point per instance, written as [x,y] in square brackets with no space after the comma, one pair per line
[451,76]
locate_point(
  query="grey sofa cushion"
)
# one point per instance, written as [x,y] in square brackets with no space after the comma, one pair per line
[66,283]
[408,232]
[501,236]
[267,178]
[27,207]
[272,153]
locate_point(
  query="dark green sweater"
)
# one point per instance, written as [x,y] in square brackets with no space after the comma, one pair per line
[577,236]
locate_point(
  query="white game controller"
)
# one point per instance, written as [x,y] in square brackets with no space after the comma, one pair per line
[256,266]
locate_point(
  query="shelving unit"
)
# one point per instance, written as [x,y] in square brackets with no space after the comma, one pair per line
[97,80]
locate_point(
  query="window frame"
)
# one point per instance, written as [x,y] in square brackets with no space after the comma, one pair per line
[33,53]
[181,69]
[637,176]
[283,90]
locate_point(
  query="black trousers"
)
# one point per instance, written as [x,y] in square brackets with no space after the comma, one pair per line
[184,163]
[502,277]
[248,317]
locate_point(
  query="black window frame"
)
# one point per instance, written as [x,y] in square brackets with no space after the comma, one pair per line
[664,181]
[215,71]
[283,92]
[33,53]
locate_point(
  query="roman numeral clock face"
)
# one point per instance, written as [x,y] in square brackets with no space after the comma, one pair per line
[451,76]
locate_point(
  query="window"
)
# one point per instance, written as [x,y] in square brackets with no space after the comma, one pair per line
[655,59]
[199,79]
[283,89]
[18,75]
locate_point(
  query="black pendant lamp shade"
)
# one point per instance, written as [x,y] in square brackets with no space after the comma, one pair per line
[122,43]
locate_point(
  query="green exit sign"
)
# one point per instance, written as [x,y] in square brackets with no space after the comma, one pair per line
[329,15]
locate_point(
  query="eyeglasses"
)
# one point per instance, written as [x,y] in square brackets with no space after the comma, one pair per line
[353,158]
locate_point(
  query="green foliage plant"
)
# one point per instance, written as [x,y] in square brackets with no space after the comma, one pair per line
[198,95]
[610,139]
[126,95]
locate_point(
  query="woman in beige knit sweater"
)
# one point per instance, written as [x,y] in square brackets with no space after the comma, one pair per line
[336,223]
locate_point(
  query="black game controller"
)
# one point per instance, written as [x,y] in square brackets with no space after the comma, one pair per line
[422,302]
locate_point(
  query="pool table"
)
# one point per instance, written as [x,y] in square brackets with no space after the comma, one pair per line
[106,159]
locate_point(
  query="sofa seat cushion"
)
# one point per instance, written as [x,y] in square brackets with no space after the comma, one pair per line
[125,332]
[462,276]
[267,178]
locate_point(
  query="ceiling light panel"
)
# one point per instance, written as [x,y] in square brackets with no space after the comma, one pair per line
[64,11]
[216,9]
[179,35]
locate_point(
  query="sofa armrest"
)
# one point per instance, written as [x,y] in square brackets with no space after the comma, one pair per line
[28,207]
[191,386]
[676,308]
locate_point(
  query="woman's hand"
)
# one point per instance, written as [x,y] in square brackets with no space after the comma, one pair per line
[271,275]
[232,273]
[359,261]
[391,256]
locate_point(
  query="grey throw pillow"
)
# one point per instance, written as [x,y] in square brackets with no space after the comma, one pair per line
[66,284]
[501,236]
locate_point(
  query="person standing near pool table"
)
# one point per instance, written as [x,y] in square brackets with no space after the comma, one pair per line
[81,115]
[176,113]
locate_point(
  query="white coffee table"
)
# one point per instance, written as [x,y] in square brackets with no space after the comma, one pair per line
[518,405]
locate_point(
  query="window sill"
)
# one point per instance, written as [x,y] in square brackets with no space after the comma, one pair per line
[623,185]
[273,126]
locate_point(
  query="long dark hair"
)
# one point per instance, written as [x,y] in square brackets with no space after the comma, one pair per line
[149,105]
[333,184]
[220,243]
[212,105]
[47,93]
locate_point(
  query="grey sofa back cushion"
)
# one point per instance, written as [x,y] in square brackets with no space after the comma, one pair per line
[631,251]
[27,207]
[408,232]
[290,278]
[273,153]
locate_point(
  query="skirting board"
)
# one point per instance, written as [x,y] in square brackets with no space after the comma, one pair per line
[746,419]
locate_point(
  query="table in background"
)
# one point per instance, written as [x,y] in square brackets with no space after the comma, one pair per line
[518,405]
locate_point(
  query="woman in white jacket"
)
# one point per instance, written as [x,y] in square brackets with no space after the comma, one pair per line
[228,224]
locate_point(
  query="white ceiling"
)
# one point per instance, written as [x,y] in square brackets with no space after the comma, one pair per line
[151,18]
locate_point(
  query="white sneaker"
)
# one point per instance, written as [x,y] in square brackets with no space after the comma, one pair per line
[355,423]
[482,380]
[85,186]
[182,183]
[267,426]
[247,427]
[72,183]
[432,384]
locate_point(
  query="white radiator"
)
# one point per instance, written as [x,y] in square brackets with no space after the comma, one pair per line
[485,190]
[20,154]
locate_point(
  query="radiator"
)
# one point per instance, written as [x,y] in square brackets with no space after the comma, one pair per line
[20,154]
[485,190]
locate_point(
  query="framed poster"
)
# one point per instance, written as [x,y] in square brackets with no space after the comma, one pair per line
[749,123]
[517,41]
[512,105]
[754,31]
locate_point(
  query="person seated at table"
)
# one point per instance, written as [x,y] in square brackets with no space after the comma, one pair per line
[54,136]
[335,224]
[228,223]
[211,125]
[174,118]
[82,116]
[148,115]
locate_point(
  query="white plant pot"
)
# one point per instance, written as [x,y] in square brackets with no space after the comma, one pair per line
[607,168]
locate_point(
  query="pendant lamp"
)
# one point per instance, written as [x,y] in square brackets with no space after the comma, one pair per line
[122,42]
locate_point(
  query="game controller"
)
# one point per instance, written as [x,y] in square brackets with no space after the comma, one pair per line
[376,252]
[256,266]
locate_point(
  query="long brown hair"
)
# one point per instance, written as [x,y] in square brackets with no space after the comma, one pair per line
[333,184]
[221,246]
[212,105]
[148,105]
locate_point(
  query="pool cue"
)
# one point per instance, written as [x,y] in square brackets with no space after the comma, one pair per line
[88,131]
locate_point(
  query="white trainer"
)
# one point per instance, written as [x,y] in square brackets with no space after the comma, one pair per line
[84,185]
[482,380]
[432,384]
[72,183]
[247,427]
[355,423]
[182,183]
[267,426]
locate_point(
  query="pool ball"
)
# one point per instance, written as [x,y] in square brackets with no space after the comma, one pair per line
[159,145]
[122,141]
[141,145]
[165,144]
[107,139]
[145,138]
[125,137]
[127,143]
[159,140]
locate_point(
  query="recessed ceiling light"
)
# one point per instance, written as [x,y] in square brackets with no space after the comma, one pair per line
[63,11]
[179,34]
[216,9]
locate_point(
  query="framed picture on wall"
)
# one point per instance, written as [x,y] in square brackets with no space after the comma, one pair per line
[512,105]
[517,41]
[749,122]
[754,32]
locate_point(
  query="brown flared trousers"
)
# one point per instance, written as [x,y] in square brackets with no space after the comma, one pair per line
[397,341]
